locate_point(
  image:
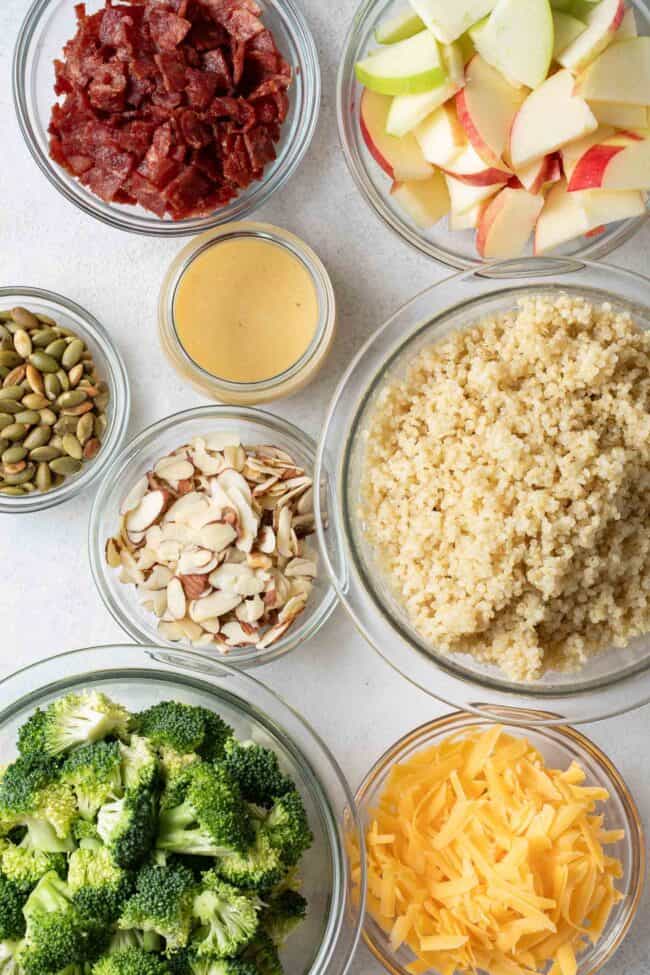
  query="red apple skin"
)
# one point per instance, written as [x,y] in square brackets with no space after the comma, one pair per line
[590,169]
[484,177]
[515,184]
[555,168]
[471,131]
[596,232]
[372,148]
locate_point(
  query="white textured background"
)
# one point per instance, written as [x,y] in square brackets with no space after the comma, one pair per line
[47,600]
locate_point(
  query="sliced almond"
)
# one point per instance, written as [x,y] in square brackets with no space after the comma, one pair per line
[292,608]
[283,533]
[301,567]
[191,630]
[194,559]
[112,553]
[176,602]
[135,496]
[173,469]
[217,536]
[159,578]
[216,604]
[250,610]
[306,503]
[235,457]
[207,463]
[273,635]
[185,507]
[147,511]
[231,479]
[211,625]
[159,600]
[266,540]
[237,636]
[219,441]
[170,631]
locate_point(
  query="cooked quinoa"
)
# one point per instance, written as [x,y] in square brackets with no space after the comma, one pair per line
[506,486]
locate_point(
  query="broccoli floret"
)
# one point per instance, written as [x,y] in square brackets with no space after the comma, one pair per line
[131,961]
[140,767]
[72,721]
[147,940]
[56,935]
[227,919]
[128,826]
[259,869]
[288,829]
[217,733]
[162,903]
[99,886]
[184,728]
[86,835]
[94,773]
[26,866]
[12,901]
[212,818]
[173,763]
[9,963]
[31,796]
[225,966]
[263,955]
[257,772]
[283,913]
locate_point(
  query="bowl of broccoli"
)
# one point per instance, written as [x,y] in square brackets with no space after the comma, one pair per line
[164,814]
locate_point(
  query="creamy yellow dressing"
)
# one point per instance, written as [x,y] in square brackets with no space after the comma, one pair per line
[246,309]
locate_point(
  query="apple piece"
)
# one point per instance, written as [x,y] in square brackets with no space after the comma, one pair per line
[627,27]
[401,159]
[602,24]
[541,173]
[609,206]
[448,21]
[506,223]
[407,111]
[465,197]
[566,28]
[399,27]
[517,40]
[621,74]
[441,136]
[425,201]
[408,67]
[454,62]
[620,116]
[466,47]
[468,167]
[571,152]
[567,215]
[465,221]
[486,107]
[550,117]
[620,163]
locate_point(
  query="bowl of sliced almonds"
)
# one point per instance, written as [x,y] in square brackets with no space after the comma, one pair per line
[203,534]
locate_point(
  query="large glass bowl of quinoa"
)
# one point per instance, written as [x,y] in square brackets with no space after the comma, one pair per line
[487,510]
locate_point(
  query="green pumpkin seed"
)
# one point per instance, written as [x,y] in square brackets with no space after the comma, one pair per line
[5,420]
[43,477]
[8,489]
[5,315]
[100,426]
[72,446]
[45,319]
[22,343]
[57,443]
[43,337]
[30,417]
[75,375]
[65,465]
[73,397]
[9,358]
[73,353]
[15,431]
[46,453]
[24,318]
[48,417]
[23,476]
[4,372]
[11,406]
[52,386]
[101,401]
[66,424]
[13,455]
[85,427]
[62,376]
[12,392]
[43,361]
[37,437]
[4,444]
[55,348]
[34,401]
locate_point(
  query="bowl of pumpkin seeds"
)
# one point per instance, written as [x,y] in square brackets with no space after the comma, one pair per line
[64,399]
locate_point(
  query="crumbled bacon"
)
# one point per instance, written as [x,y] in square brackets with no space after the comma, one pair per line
[172,105]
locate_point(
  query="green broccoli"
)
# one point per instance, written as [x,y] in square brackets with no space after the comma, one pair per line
[9,963]
[95,775]
[224,966]
[283,912]
[259,869]
[210,817]
[227,919]
[99,886]
[31,796]
[26,866]
[131,961]
[128,826]
[173,763]
[288,829]
[184,728]
[12,901]
[162,902]
[86,835]
[147,940]
[263,955]
[257,772]
[72,721]
[140,767]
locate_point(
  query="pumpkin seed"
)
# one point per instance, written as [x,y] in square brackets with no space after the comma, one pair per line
[37,437]
[11,406]
[72,446]
[43,361]
[11,392]
[8,489]
[52,386]
[24,318]
[48,417]
[16,431]
[12,455]
[62,376]
[15,377]
[55,348]
[43,337]
[76,373]
[66,424]
[65,465]
[30,417]
[34,401]
[23,476]
[73,397]
[4,444]
[85,427]
[43,477]
[45,319]
[4,372]
[101,401]
[5,420]
[22,343]
[100,426]
[9,358]
[35,379]
[91,448]
[45,453]
[73,353]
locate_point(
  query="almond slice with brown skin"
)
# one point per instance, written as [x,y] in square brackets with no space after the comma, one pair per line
[147,512]
[216,604]
[236,635]
[135,496]
[174,469]
[273,635]
[251,610]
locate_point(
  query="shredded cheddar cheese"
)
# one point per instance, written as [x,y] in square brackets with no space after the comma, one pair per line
[481,857]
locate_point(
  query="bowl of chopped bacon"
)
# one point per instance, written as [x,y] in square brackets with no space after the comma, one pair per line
[166,117]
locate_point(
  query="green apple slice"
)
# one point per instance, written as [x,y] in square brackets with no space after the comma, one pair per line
[399,28]
[407,111]
[406,68]
[517,40]
[565,30]
[448,19]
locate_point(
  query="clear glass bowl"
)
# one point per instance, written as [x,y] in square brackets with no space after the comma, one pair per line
[110,368]
[50,23]
[611,683]
[456,248]
[141,676]
[138,457]
[559,746]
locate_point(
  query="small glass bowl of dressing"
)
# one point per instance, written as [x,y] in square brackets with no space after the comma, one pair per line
[247,313]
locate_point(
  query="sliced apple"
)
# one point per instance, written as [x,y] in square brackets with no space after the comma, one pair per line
[620,116]
[408,67]
[401,159]
[627,27]
[517,40]
[571,152]
[541,173]
[568,215]
[619,163]
[468,167]
[441,137]
[602,24]
[550,117]
[399,27]
[465,221]
[621,74]
[407,111]
[454,63]
[426,201]
[486,107]
[448,20]
[566,28]
[506,223]
[465,197]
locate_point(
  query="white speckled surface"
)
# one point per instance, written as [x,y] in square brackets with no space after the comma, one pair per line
[47,599]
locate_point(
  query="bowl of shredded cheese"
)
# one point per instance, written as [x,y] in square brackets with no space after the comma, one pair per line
[499,849]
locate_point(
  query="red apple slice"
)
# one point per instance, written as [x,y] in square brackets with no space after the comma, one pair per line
[541,173]
[506,223]
[627,28]
[441,136]
[426,201]
[618,164]
[620,116]
[470,168]
[573,151]
[486,107]
[603,22]
[550,117]
[465,221]
[401,159]
[465,197]
[568,215]
[621,74]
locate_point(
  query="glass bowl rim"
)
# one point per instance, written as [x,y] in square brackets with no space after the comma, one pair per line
[290,156]
[10,704]
[297,635]
[459,682]
[120,391]
[457,721]
[593,248]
